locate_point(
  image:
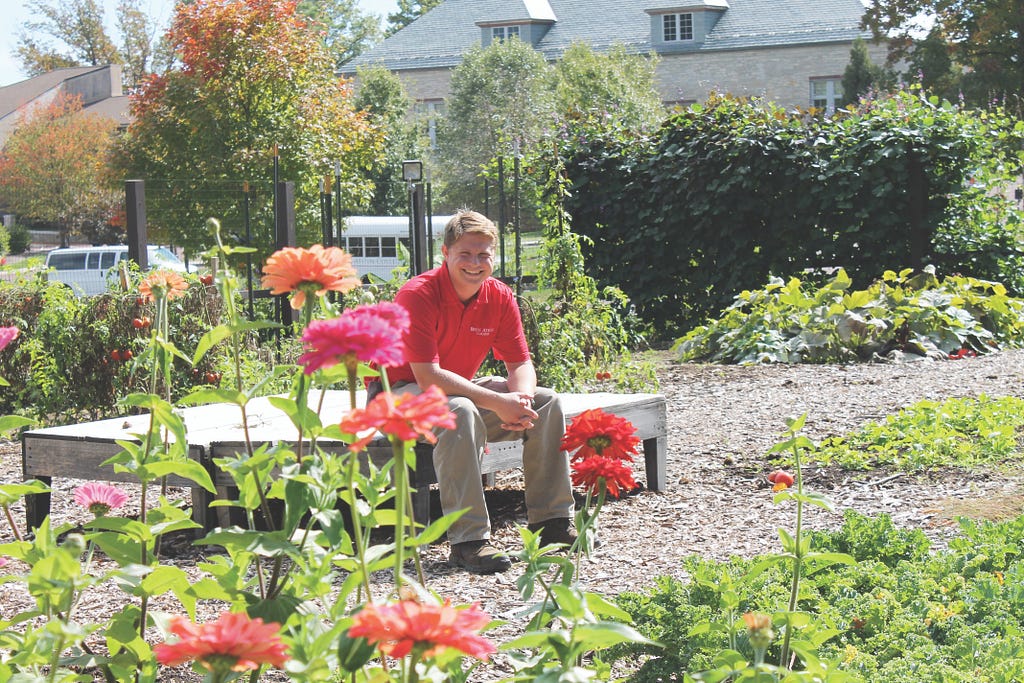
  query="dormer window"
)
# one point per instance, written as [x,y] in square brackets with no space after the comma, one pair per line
[499,33]
[677,27]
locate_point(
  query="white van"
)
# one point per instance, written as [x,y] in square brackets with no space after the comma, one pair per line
[88,270]
[373,242]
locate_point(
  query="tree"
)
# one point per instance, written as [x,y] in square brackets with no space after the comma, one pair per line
[382,96]
[614,86]
[348,31]
[932,64]
[983,35]
[250,77]
[136,52]
[500,104]
[78,24]
[408,12]
[861,75]
[54,168]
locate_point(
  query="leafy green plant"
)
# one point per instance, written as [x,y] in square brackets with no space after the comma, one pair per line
[957,432]
[793,321]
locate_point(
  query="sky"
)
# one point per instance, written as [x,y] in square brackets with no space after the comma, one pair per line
[15,14]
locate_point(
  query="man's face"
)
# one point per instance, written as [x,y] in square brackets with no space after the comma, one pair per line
[470,261]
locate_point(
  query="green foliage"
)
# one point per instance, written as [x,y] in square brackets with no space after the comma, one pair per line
[982,36]
[578,333]
[500,98]
[957,432]
[612,86]
[861,76]
[62,367]
[729,192]
[382,95]
[19,238]
[794,322]
[900,614]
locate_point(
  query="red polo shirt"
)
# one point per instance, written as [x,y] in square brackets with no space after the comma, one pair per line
[454,335]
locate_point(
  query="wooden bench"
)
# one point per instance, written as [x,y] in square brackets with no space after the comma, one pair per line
[215,431]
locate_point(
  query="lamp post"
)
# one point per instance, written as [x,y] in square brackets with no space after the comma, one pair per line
[412,174]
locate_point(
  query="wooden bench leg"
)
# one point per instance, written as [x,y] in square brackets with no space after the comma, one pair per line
[37,505]
[654,462]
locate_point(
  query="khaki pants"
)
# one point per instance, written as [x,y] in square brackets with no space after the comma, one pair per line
[458,452]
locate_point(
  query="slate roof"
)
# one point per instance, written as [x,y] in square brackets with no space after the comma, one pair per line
[441,36]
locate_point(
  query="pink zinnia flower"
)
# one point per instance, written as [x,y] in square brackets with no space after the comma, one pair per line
[233,642]
[7,335]
[370,334]
[406,416]
[398,628]
[99,499]
[3,561]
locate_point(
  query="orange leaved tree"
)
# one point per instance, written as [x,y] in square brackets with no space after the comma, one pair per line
[54,167]
[250,77]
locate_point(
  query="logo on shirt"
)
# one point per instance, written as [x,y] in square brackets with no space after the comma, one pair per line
[481,331]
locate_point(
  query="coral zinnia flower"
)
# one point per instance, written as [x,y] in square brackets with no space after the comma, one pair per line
[595,432]
[316,270]
[406,416]
[233,642]
[162,283]
[615,473]
[399,627]
[7,335]
[99,499]
[371,334]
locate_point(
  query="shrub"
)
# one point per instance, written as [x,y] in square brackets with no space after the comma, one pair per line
[792,322]
[77,357]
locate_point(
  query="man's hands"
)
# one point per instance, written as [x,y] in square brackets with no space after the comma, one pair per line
[516,411]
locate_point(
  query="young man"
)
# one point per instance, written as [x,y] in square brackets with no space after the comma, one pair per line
[459,313]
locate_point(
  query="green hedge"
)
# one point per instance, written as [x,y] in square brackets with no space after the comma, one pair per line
[731,192]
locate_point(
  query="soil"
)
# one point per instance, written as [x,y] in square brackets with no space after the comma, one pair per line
[718,503]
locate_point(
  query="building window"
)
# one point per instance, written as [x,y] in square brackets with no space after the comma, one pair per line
[499,33]
[826,93]
[428,112]
[676,27]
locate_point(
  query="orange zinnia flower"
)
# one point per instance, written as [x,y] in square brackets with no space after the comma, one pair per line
[316,270]
[162,283]
[398,628]
[595,432]
[406,416]
[233,642]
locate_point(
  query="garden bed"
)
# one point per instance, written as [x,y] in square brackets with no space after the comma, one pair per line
[721,420]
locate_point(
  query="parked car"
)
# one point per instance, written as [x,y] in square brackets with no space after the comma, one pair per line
[92,270]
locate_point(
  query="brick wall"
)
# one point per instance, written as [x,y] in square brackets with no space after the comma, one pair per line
[780,75]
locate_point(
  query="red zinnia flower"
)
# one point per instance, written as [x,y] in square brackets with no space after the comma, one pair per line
[616,474]
[7,335]
[399,627]
[371,334]
[595,432]
[406,416]
[316,270]
[233,642]
[98,498]
[165,283]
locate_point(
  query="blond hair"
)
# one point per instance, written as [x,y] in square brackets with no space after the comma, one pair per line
[468,222]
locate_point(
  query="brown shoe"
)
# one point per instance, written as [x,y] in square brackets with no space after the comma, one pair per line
[554,531]
[479,557]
